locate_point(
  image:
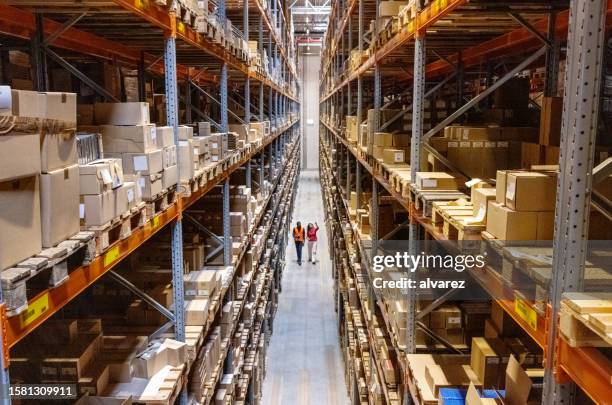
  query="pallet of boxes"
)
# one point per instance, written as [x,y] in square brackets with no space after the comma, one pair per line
[136,178]
[39,193]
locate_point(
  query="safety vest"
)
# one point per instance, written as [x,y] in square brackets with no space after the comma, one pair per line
[298,234]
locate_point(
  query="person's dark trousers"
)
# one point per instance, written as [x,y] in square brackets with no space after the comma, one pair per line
[298,249]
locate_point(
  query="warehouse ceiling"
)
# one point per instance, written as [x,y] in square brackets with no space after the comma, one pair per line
[310,19]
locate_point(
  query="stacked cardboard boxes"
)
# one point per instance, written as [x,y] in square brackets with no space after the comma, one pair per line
[127,134]
[38,195]
[524,206]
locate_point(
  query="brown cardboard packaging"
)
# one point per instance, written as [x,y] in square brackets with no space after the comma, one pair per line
[185,132]
[59,106]
[59,195]
[480,198]
[185,159]
[490,133]
[150,185]
[449,376]
[507,224]
[383,139]
[132,194]
[170,177]
[58,151]
[351,128]
[95,177]
[485,362]
[196,311]
[169,156]
[531,191]
[97,209]
[550,121]
[531,154]
[164,136]
[134,113]
[202,283]
[121,203]
[95,379]
[68,362]
[500,186]
[14,148]
[436,181]
[129,138]
[390,8]
[143,163]
[392,156]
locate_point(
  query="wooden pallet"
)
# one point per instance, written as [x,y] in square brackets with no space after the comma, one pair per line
[49,268]
[423,199]
[456,220]
[161,202]
[586,319]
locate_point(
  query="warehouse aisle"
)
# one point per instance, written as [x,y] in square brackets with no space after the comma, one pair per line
[304,358]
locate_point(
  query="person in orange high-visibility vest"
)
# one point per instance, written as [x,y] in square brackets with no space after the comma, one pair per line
[299,235]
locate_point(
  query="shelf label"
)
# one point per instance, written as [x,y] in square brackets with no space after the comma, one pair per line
[155,222]
[35,310]
[111,256]
[526,313]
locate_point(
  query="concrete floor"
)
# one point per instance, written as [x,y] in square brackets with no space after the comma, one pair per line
[304,359]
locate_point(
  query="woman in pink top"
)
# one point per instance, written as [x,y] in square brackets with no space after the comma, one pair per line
[311,235]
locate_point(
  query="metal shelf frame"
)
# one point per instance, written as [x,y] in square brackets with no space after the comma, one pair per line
[587,23]
[24,24]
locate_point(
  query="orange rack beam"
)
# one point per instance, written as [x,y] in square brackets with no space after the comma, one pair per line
[588,368]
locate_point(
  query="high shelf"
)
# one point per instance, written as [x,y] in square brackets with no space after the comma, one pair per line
[440,62]
[205,68]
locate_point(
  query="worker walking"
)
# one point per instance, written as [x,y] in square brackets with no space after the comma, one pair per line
[299,235]
[311,234]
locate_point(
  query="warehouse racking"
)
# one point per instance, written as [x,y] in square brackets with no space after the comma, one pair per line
[430,52]
[179,46]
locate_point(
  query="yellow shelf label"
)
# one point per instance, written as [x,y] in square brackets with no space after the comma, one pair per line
[35,310]
[111,256]
[155,222]
[526,313]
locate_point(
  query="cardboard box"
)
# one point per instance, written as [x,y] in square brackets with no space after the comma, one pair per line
[449,376]
[351,128]
[129,138]
[393,156]
[390,8]
[134,113]
[85,114]
[170,177]
[185,160]
[531,191]
[185,132]
[488,133]
[507,224]
[169,156]
[202,283]
[97,209]
[446,317]
[14,147]
[382,139]
[58,151]
[500,186]
[59,106]
[436,181]
[97,176]
[59,194]
[150,185]
[151,361]
[121,202]
[550,121]
[69,362]
[480,199]
[485,362]
[132,193]
[143,163]
[196,311]
[95,379]
[164,136]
